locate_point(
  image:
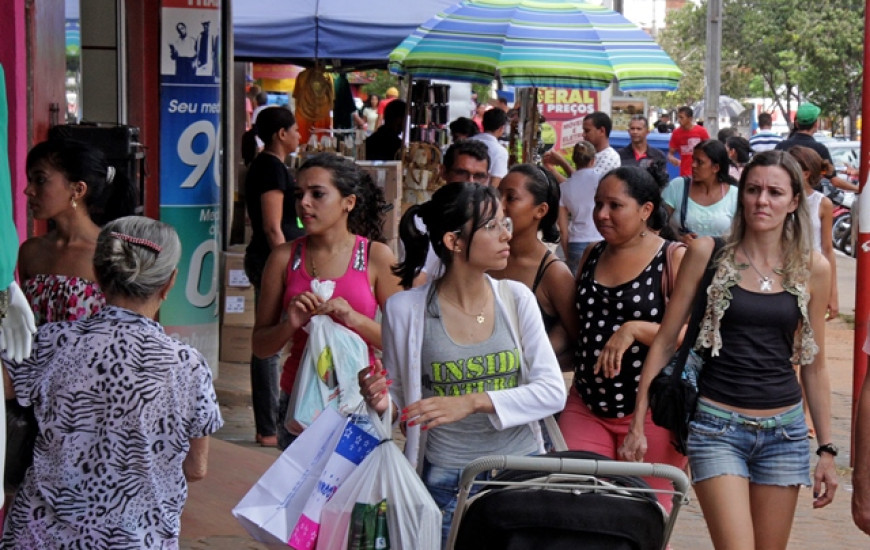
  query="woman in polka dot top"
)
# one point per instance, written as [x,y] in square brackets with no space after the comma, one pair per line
[620,303]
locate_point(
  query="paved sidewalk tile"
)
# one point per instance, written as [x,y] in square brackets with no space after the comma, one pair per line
[208,524]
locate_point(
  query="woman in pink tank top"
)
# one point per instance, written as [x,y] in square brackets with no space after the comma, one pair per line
[341,209]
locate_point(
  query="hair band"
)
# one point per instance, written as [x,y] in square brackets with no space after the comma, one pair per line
[110,174]
[156,248]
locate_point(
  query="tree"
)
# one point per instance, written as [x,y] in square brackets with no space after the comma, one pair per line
[381,80]
[833,60]
[684,39]
[794,52]
[764,36]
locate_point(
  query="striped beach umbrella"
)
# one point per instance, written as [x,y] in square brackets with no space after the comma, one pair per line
[536,43]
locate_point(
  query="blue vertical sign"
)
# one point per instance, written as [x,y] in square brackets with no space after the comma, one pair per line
[190,106]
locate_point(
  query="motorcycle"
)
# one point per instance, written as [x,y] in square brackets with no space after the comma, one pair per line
[841,228]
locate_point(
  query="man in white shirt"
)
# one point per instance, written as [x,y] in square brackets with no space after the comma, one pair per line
[182,50]
[596,130]
[494,121]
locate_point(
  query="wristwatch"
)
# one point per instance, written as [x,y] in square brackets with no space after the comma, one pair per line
[829,448]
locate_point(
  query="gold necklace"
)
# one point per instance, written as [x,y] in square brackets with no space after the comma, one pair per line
[479,317]
[765,281]
[314,272]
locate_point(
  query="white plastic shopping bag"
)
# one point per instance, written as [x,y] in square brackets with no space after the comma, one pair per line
[327,370]
[413,518]
[274,504]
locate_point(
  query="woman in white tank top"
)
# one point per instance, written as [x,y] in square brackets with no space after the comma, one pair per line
[822,216]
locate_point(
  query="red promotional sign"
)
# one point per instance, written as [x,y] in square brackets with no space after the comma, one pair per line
[564,109]
[565,103]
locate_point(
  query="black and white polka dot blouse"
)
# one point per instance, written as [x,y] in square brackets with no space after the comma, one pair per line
[602,311]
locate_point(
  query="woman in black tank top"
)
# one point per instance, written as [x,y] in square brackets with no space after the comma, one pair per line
[531,199]
[765,310]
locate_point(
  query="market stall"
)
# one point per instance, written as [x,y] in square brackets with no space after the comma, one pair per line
[530,44]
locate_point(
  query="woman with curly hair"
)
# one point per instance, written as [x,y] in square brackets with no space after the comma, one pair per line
[341,209]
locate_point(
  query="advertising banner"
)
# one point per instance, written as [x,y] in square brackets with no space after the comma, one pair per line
[563,110]
[190,106]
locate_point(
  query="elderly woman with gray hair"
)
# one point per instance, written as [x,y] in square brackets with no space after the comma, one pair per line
[124,411]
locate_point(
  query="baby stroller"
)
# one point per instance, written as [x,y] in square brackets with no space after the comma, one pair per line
[564,500]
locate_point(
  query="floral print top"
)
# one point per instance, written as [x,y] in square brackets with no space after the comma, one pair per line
[55,298]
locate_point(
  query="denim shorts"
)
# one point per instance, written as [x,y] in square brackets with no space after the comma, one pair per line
[770,450]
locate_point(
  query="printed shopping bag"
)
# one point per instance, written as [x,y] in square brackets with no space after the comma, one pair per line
[272,507]
[355,444]
[327,371]
[413,518]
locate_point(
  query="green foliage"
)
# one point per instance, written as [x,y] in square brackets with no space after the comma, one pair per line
[787,50]
[483,91]
[684,39]
[832,67]
[380,81]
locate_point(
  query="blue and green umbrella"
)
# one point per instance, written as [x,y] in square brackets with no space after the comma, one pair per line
[536,43]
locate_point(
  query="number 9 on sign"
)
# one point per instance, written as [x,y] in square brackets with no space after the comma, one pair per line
[199,160]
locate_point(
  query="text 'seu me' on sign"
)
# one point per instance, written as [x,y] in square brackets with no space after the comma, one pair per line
[190,105]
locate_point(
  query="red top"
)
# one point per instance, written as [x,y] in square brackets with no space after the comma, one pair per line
[684,141]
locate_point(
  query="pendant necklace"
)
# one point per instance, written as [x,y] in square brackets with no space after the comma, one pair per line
[764,281]
[480,317]
[314,272]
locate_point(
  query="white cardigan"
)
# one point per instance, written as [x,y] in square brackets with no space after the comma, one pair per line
[541,391]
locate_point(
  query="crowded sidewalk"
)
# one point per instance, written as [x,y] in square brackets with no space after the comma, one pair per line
[235,462]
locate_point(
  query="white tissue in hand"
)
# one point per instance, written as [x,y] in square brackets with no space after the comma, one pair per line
[323,289]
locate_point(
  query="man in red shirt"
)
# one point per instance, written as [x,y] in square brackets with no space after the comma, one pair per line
[391,94]
[683,140]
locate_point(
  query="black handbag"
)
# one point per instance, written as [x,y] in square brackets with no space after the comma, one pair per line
[673,394]
[21,430]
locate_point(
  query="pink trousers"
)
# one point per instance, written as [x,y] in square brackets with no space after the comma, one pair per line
[584,431]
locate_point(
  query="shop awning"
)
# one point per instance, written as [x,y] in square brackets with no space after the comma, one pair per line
[340,33]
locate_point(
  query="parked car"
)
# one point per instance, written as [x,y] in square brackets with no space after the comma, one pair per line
[845,153]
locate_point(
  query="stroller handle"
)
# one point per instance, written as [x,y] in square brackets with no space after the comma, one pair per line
[580,466]
[575,466]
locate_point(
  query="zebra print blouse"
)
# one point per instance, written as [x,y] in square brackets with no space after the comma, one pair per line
[117,401]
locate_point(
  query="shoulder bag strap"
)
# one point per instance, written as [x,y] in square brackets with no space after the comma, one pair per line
[699,305]
[684,205]
[507,295]
[669,276]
